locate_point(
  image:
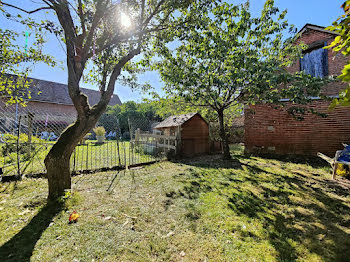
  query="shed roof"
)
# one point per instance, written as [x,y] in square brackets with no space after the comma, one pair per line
[178,120]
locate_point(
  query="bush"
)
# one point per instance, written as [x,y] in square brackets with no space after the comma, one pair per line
[126,136]
[100,131]
[11,144]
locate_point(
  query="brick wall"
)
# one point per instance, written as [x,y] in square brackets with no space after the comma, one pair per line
[269,130]
[42,109]
[52,109]
[336,61]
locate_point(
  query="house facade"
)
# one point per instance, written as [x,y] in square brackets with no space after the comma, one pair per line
[275,131]
[49,106]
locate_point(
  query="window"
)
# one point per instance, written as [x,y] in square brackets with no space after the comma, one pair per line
[315,62]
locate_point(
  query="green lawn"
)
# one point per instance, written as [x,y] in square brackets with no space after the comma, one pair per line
[88,156]
[205,209]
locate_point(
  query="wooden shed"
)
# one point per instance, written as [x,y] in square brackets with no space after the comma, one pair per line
[192,132]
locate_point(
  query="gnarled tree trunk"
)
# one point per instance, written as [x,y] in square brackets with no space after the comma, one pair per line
[57,161]
[223,135]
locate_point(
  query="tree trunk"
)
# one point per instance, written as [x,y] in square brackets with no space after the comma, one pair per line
[223,136]
[57,161]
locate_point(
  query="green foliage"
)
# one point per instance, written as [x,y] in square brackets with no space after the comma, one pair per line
[150,20]
[175,105]
[11,144]
[228,57]
[117,117]
[342,44]
[16,62]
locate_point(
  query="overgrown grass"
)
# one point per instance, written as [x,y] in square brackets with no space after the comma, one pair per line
[206,209]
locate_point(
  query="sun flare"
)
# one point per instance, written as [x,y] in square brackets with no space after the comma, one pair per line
[125,20]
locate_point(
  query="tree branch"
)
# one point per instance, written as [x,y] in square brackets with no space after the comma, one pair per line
[81,16]
[26,11]
[155,11]
[106,96]
[97,18]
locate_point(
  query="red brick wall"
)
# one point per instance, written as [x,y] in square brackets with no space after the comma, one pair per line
[40,109]
[52,109]
[269,130]
[275,131]
[336,61]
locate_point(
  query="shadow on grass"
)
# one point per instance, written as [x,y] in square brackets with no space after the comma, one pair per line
[20,247]
[313,161]
[294,209]
[238,152]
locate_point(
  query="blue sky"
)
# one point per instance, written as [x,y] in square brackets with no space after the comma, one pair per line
[300,12]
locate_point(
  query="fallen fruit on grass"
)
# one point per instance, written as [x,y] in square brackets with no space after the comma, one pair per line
[73,218]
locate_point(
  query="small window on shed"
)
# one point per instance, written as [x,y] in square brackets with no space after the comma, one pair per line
[315,62]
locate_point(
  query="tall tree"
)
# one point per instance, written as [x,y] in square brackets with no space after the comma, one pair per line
[229,58]
[108,34]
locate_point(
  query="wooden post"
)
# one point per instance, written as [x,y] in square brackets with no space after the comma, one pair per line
[18,149]
[30,117]
[335,167]
[118,151]
[137,135]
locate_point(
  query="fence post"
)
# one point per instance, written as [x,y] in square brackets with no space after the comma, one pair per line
[30,117]
[125,155]
[87,156]
[137,135]
[74,160]
[18,153]
[118,151]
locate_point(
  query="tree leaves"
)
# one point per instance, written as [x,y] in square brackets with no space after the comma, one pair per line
[227,57]
[342,44]
[15,65]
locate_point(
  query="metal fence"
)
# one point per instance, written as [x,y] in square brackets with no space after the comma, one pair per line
[27,135]
[20,159]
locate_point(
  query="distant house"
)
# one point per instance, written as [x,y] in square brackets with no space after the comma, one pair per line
[270,130]
[192,131]
[50,105]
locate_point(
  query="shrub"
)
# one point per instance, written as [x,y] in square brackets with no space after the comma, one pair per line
[126,136]
[100,131]
[11,144]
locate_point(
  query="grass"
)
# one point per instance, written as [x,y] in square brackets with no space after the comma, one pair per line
[88,156]
[206,209]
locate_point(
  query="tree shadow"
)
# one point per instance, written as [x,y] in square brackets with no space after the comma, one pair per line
[310,160]
[20,247]
[211,161]
[294,208]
